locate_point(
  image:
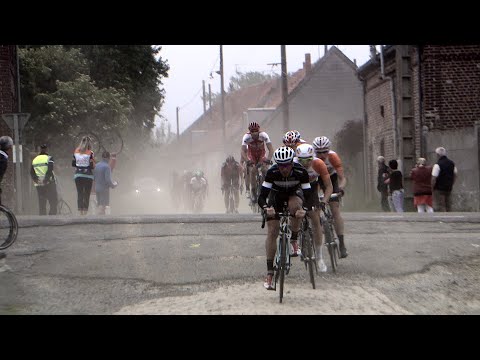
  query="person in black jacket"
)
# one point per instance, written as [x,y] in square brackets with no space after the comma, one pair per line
[381,186]
[444,174]
[6,144]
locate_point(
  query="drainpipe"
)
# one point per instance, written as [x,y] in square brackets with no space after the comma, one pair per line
[394,107]
[366,188]
[423,132]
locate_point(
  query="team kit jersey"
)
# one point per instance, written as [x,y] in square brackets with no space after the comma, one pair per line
[297,183]
[316,169]
[256,148]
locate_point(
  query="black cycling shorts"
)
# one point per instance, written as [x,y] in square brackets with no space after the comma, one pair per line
[336,189]
[277,199]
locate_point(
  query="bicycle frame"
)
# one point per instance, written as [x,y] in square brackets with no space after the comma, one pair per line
[282,260]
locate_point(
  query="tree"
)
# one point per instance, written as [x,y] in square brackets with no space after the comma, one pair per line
[137,69]
[243,80]
[91,87]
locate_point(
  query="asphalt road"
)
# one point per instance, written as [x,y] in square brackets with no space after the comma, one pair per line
[398,264]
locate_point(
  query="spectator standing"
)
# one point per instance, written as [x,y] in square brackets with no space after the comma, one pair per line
[6,144]
[43,177]
[421,176]
[395,184]
[103,182]
[381,186]
[84,162]
[444,174]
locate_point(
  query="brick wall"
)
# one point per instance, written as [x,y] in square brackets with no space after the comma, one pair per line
[8,104]
[379,137]
[451,82]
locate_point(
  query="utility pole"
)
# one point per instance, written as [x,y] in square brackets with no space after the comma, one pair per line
[210,96]
[223,95]
[178,131]
[284,88]
[325,49]
[204,98]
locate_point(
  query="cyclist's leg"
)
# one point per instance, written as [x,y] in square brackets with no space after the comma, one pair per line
[273,227]
[295,203]
[236,195]
[226,196]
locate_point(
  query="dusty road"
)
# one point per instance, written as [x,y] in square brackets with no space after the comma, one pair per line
[207,264]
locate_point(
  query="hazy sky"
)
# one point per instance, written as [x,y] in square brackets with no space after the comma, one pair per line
[190,64]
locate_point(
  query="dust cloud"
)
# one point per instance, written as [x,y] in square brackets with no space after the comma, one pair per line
[151,173]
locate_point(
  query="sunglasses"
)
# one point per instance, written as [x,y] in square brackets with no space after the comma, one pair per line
[322,152]
[284,166]
[305,160]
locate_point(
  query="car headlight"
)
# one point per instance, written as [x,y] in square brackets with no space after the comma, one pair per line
[158,190]
[137,191]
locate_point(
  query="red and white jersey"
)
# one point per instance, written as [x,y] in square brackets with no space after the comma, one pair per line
[256,148]
[256,145]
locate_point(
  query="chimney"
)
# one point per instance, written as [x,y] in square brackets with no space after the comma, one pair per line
[307,65]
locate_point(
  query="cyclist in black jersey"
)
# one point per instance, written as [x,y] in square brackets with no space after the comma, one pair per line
[284,181]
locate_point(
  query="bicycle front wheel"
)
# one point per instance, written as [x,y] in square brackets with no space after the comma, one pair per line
[283,262]
[331,245]
[8,228]
[309,257]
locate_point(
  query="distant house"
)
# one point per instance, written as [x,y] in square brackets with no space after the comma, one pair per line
[8,104]
[418,98]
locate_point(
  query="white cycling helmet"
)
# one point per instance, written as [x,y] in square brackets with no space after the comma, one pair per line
[321,143]
[305,151]
[284,155]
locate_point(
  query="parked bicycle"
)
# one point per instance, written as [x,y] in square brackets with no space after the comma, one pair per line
[8,227]
[282,261]
[308,255]
[62,206]
[331,238]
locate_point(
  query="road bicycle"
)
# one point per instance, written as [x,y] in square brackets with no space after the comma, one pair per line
[257,186]
[197,201]
[331,238]
[8,227]
[282,261]
[306,242]
[231,208]
[62,206]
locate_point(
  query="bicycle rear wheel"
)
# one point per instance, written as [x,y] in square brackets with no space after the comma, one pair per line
[331,245]
[8,228]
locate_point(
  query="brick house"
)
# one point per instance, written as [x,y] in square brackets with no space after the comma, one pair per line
[8,104]
[416,99]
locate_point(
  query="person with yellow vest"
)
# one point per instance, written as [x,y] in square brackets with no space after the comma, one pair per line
[44,180]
